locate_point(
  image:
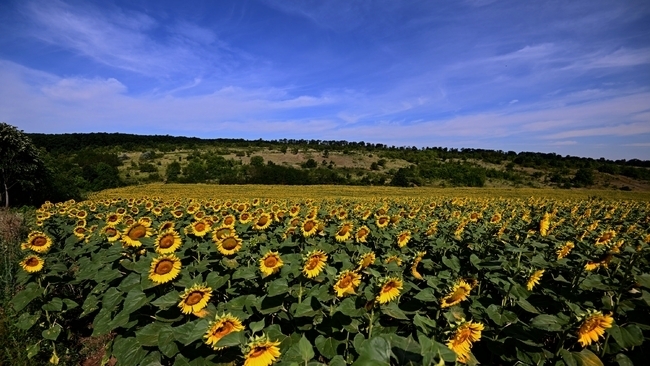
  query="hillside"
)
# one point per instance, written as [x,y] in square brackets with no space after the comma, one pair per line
[83,163]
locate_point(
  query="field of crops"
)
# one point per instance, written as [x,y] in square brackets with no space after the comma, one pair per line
[316,280]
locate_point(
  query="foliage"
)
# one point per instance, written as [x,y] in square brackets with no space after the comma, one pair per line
[21,167]
[492,247]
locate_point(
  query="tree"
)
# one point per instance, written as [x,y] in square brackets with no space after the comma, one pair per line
[20,164]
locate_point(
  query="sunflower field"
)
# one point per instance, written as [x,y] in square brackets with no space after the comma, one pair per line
[392,281]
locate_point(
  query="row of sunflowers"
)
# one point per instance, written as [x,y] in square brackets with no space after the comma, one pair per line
[365,281]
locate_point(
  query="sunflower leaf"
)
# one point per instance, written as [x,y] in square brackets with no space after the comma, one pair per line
[232,339]
[392,310]
[52,333]
[167,300]
[644,280]
[26,320]
[24,297]
[278,287]
[215,280]
[327,346]
[135,299]
[587,358]
[305,349]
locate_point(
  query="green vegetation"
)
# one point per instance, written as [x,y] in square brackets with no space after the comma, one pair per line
[73,165]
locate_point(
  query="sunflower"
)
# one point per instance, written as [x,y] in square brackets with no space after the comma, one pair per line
[222,232]
[294,210]
[38,242]
[270,263]
[403,238]
[461,342]
[366,260]
[309,227]
[344,232]
[606,237]
[382,221]
[168,242]
[603,261]
[79,232]
[132,235]
[496,218]
[362,234]
[346,283]
[432,229]
[222,326]
[112,234]
[194,299]
[32,263]
[199,228]
[166,225]
[534,279]
[229,244]
[229,221]
[565,250]
[146,221]
[389,290]
[314,263]
[545,224]
[164,268]
[414,266]
[260,351]
[459,292]
[262,222]
[393,258]
[178,212]
[593,327]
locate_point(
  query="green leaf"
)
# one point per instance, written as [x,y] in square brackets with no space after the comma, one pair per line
[452,263]
[135,299]
[148,335]
[392,310]
[424,323]
[33,350]
[56,304]
[327,346]
[548,322]
[190,332]
[256,326]
[426,295]
[306,349]
[24,297]
[347,307]
[278,287]
[644,280]
[501,316]
[623,360]
[626,337]
[215,280]
[524,304]
[375,351]
[232,339]
[305,308]
[132,281]
[69,304]
[102,322]
[52,333]
[568,358]
[89,305]
[167,300]
[26,321]
[166,343]
[245,273]
[128,351]
[587,358]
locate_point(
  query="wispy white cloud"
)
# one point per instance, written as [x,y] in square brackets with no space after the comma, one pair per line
[122,39]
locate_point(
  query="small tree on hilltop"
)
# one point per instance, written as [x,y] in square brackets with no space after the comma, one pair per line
[20,164]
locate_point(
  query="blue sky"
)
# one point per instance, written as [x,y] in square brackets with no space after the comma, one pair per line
[571,77]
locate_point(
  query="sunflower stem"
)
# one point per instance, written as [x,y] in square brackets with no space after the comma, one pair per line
[372,315]
[300,293]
